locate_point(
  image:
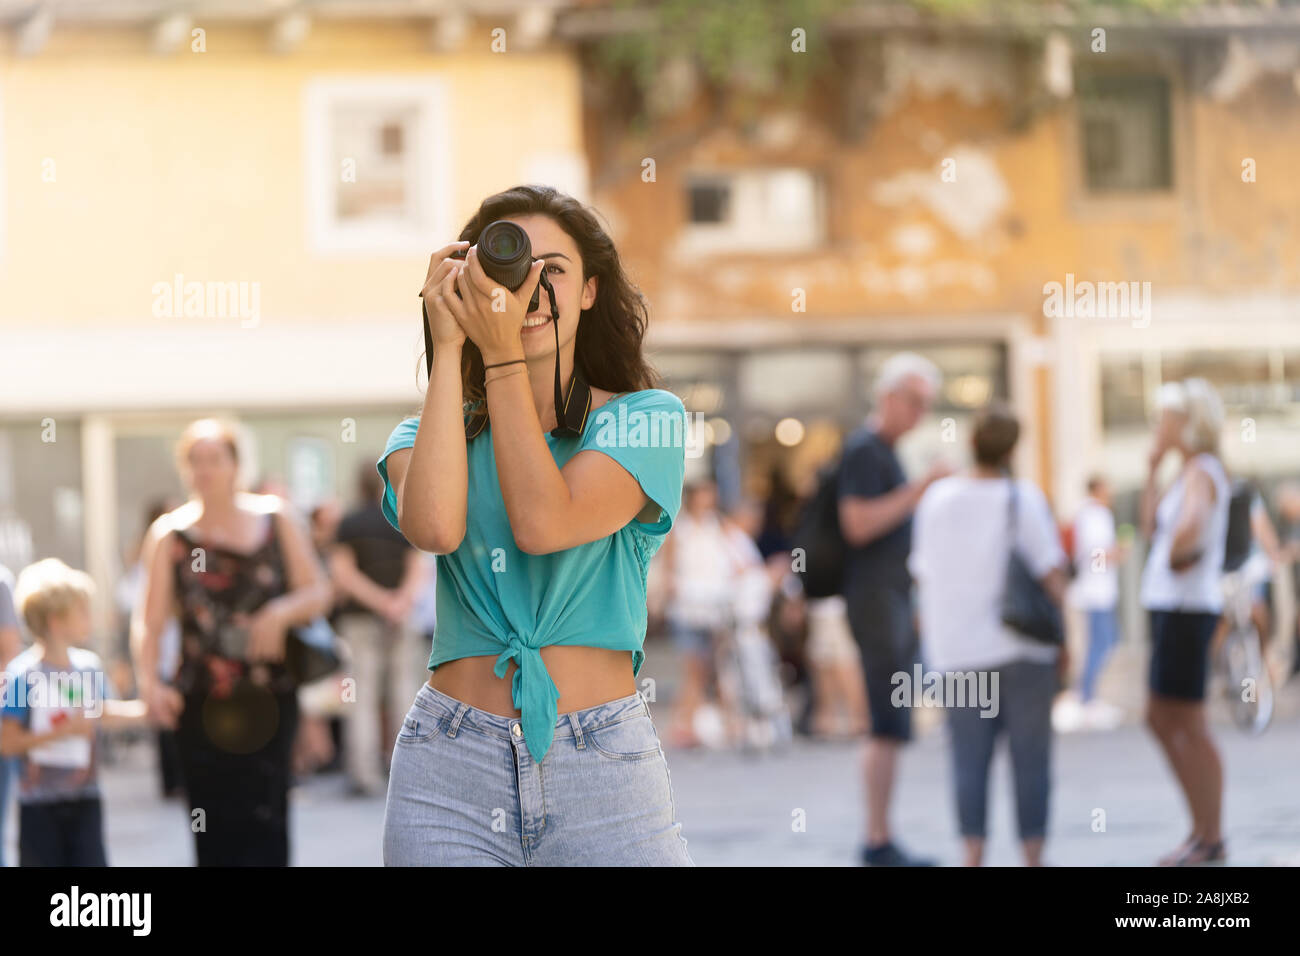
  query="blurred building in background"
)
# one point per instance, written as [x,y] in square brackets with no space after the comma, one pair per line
[875,178]
[228,208]
[931,181]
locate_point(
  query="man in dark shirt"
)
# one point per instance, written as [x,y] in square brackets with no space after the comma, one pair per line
[378,575]
[876,504]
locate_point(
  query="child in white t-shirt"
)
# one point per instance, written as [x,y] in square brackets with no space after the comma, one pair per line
[56,697]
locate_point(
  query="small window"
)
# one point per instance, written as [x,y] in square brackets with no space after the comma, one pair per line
[391,138]
[368,142]
[1125,132]
[709,202]
[754,210]
[377,162]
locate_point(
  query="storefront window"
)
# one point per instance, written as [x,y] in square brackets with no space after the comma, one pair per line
[1244,379]
[783,382]
[1123,393]
[316,456]
[1260,390]
[40,492]
[789,408]
[973,374]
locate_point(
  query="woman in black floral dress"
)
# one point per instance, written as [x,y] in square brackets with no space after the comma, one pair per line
[238,570]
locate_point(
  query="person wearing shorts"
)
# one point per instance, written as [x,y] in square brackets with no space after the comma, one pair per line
[1187,526]
[1180,653]
[876,504]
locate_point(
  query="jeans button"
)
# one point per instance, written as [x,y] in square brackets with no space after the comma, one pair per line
[517,731]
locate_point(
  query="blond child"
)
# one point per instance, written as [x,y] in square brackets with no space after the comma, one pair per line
[54,700]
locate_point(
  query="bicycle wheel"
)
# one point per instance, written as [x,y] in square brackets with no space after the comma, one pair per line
[1247,686]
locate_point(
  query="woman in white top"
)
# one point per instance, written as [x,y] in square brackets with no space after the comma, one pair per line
[961,541]
[1182,593]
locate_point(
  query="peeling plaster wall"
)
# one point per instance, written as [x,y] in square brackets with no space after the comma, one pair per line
[902,241]
[968,203]
[1249,58]
[974,73]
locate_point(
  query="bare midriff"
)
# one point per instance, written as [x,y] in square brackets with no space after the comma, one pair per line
[584,676]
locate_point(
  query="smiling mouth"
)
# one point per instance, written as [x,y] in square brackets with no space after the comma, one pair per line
[536,321]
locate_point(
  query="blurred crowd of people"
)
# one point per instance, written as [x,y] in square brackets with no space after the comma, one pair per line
[923,577]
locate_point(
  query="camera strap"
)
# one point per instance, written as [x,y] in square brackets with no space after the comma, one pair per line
[571,409]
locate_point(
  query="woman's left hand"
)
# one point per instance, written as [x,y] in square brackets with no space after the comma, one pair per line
[267,631]
[491,315]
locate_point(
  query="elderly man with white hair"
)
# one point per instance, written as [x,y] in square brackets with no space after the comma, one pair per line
[876,505]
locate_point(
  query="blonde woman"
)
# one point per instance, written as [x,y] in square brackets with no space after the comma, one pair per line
[1187,526]
[239,571]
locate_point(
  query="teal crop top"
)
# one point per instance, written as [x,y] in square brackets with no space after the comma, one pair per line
[493,599]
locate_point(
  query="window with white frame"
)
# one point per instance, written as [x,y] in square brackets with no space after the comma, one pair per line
[755,210]
[377,165]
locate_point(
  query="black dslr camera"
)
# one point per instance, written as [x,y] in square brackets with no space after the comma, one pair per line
[506,255]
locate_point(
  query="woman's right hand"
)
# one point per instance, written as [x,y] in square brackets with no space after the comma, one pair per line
[164,704]
[440,285]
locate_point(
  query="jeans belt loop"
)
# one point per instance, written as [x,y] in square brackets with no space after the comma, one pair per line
[461,710]
[577,729]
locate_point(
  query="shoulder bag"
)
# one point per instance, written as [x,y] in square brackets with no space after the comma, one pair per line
[1026,606]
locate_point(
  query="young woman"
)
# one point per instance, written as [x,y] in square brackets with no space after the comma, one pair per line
[530,744]
[1182,593]
[237,570]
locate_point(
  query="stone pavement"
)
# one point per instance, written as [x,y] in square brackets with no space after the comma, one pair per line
[742,810]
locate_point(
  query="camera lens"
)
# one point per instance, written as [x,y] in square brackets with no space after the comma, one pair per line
[506,253]
[503,244]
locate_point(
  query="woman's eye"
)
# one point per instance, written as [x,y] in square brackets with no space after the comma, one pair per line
[555,270]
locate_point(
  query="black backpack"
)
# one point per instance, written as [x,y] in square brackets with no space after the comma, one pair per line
[1240,535]
[819,540]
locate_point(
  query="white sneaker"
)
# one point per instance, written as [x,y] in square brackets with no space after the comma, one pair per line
[1067,714]
[710,727]
[1102,715]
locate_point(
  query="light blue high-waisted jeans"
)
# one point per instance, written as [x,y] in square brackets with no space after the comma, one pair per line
[465,791]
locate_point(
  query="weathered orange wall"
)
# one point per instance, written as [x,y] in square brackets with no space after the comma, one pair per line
[1214,234]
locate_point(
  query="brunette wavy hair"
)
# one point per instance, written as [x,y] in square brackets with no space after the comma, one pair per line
[607,349]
